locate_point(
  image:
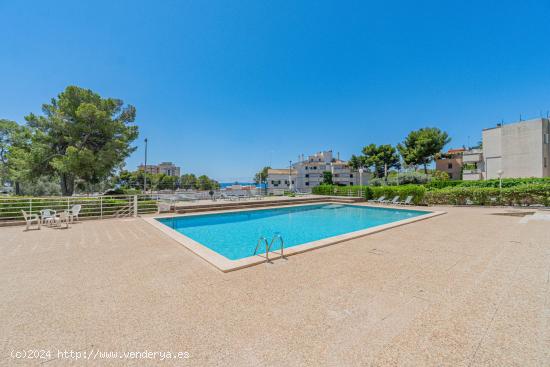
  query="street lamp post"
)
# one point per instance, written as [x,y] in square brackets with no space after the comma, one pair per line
[145,170]
[290,175]
[361,170]
[500,172]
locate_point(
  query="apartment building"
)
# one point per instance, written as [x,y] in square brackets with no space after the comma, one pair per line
[451,163]
[521,149]
[281,179]
[308,173]
[473,165]
[167,168]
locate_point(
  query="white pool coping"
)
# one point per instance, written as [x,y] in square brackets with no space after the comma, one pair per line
[226,265]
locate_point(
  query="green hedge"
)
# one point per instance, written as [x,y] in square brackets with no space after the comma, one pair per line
[374,192]
[526,194]
[417,192]
[334,190]
[506,182]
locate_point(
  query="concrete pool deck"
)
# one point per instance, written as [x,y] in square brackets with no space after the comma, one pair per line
[463,289]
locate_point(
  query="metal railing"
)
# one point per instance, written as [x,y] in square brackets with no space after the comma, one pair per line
[268,246]
[98,207]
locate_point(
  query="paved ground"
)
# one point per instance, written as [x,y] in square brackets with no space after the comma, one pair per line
[464,289]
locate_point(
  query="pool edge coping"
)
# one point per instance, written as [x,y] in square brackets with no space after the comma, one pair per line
[226,265]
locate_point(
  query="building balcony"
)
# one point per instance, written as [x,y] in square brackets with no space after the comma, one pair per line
[472,158]
[472,174]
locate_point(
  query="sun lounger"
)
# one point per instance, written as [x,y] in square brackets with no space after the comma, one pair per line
[392,201]
[395,200]
[379,200]
[407,201]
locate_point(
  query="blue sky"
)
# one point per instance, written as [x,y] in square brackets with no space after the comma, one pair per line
[226,87]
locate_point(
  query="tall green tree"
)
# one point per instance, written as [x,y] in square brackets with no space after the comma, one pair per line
[421,146]
[327,178]
[357,162]
[81,136]
[261,177]
[189,181]
[14,145]
[381,158]
[205,183]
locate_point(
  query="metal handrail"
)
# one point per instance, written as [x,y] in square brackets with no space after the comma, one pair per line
[269,245]
[260,240]
[278,236]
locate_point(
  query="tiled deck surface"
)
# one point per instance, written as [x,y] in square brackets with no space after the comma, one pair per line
[464,289]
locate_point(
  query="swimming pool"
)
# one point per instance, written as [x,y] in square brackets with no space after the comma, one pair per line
[234,235]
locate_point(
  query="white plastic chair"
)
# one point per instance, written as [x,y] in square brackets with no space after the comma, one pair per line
[47,215]
[29,218]
[63,217]
[74,211]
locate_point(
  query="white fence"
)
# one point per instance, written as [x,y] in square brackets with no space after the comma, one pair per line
[98,207]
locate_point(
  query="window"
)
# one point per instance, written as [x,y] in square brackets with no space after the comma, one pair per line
[545,162]
[307,175]
[307,183]
[450,166]
[546,138]
[351,176]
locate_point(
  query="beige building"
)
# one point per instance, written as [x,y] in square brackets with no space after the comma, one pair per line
[167,168]
[521,149]
[451,163]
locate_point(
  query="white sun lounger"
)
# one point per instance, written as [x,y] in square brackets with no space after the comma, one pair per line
[407,201]
[379,200]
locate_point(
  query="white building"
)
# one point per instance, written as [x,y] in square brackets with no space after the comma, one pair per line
[308,173]
[521,149]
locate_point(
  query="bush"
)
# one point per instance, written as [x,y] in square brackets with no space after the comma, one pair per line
[526,194]
[438,184]
[404,179]
[334,190]
[417,192]
[506,182]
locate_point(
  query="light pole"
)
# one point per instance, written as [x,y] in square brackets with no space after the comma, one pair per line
[361,170]
[290,175]
[500,172]
[145,170]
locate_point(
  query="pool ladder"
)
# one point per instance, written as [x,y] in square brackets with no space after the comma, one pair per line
[268,246]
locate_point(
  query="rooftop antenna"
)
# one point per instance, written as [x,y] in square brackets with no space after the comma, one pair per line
[468,141]
[520,119]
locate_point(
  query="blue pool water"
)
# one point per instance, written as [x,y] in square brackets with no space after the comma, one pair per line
[234,235]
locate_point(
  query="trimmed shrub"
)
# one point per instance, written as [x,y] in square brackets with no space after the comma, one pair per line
[506,182]
[526,194]
[333,190]
[407,178]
